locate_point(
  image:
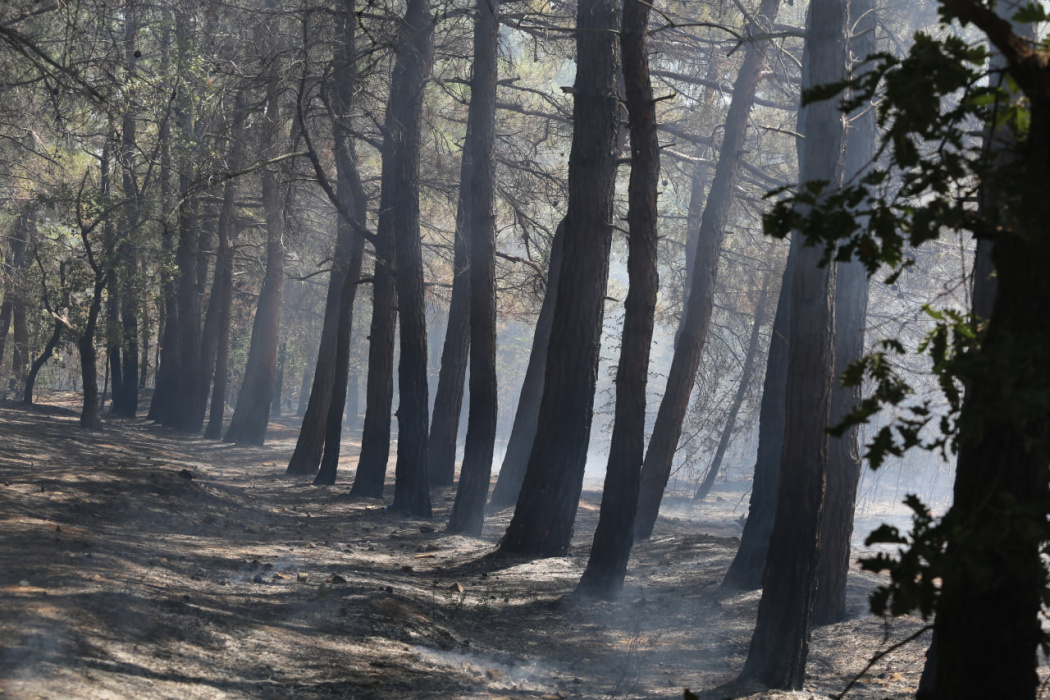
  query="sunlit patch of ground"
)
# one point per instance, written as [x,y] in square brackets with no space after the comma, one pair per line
[139,563]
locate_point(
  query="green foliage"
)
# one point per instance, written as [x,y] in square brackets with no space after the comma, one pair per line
[928,175]
[913,576]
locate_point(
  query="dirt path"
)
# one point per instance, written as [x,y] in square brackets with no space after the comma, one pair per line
[138,563]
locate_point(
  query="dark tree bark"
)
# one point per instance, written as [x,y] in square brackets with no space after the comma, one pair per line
[166,372]
[780,644]
[851,308]
[20,336]
[448,401]
[278,382]
[988,626]
[468,510]
[38,363]
[185,380]
[411,71]
[14,278]
[126,391]
[251,417]
[745,572]
[522,433]
[114,370]
[746,371]
[379,384]
[222,286]
[697,318]
[614,536]
[544,517]
[89,412]
[353,201]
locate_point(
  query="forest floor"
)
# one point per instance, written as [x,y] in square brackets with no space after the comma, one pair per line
[140,563]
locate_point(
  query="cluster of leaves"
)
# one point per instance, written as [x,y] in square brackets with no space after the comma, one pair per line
[927,178]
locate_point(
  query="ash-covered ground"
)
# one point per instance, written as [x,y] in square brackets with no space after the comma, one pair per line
[139,563]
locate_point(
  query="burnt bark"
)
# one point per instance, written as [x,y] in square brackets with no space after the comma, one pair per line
[546,510]
[411,71]
[14,279]
[696,321]
[607,565]
[746,372]
[780,644]
[745,571]
[468,510]
[222,284]
[523,431]
[251,417]
[351,193]
[278,382]
[851,308]
[448,400]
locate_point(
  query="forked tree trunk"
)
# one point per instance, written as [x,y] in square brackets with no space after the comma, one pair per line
[38,363]
[522,433]
[700,302]
[468,510]
[411,483]
[734,409]
[448,401]
[780,644]
[614,536]
[353,200]
[543,520]
[90,417]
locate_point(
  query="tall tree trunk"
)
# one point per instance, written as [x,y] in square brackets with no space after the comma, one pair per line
[697,318]
[14,284]
[851,308]
[411,71]
[522,433]
[734,409]
[166,371]
[544,517]
[448,401]
[745,571]
[222,287]
[251,416]
[186,380]
[468,510]
[351,193]
[780,644]
[614,536]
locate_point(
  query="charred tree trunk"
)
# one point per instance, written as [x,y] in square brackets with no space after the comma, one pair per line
[745,381]
[14,284]
[851,308]
[543,520]
[697,318]
[166,370]
[353,201]
[745,572]
[522,433]
[90,417]
[614,536]
[448,401]
[415,59]
[468,510]
[185,389]
[222,287]
[780,644]
[38,363]
[113,337]
[251,417]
